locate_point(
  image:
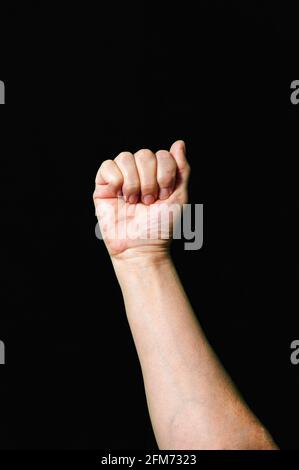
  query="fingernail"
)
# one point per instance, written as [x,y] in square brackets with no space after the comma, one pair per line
[164,193]
[148,199]
[133,199]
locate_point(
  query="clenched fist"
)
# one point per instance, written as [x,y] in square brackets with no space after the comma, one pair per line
[139,197]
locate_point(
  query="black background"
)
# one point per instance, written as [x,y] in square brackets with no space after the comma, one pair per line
[83,84]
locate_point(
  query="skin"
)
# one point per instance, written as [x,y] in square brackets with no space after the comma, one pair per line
[192,401]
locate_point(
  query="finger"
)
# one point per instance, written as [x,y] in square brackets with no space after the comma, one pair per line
[166,173]
[146,163]
[109,180]
[178,151]
[131,184]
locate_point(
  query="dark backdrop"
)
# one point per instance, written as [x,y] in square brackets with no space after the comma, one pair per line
[81,86]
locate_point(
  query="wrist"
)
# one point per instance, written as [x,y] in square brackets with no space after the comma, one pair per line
[137,259]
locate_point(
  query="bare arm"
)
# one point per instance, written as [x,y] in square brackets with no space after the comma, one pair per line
[193,403]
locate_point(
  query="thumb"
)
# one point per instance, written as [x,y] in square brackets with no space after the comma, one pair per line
[178,151]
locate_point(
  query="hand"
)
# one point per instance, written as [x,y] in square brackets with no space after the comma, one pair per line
[138,199]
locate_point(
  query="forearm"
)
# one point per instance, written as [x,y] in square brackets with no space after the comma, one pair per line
[192,401]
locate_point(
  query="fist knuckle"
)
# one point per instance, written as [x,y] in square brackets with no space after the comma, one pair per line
[144,153]
[163,154]
[123,157]
[106,163]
